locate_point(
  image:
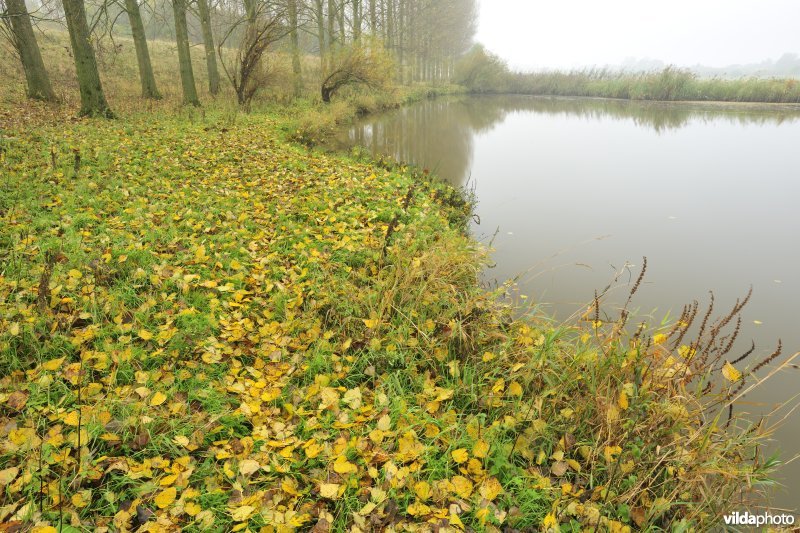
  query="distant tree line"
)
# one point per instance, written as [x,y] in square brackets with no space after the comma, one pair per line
[356,41]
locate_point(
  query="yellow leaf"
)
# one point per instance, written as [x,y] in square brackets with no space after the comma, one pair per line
[8,475]
[192,509]
[79,501]
[72,418]
[145,335]
[498,386]
[329,490]
[353,398]
[385,423]
[514,389]
[730,373]
[423,490]
[573,464]
[481,449]
[490,489]
[462,486]
[44,529]
[418,509]
[166,497]
[313,450]
[460,455]
[157,399]
[241,514]
[248,466]
[76,274]
[611,452]
[370,323]
[343,466]
[13,329]
[53,364]
[659,338]
[550,522]
[168,480]
[623,400]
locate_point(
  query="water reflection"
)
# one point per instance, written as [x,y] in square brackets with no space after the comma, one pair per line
[439,134]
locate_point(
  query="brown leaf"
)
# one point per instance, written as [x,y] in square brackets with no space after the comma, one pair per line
[559,468]
[323,526]
[141,440]
[638,515]
[17,400]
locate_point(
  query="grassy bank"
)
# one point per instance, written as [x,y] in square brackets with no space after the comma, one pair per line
[483,72]
[668,85]
[204,326]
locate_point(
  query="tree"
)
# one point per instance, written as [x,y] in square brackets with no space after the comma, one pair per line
[362,63]
[148,80]
[264,25]
[24,42]
[184,55]
[294,37]
[93,100]
[481,71]
[208,43]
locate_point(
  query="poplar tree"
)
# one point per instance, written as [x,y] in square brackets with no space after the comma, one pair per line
[184,56]
[38,83]
[148,80]
[93,100]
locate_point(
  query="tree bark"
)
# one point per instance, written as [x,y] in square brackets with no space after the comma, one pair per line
[38,82]
[93,100]
[294,38]
[373,18]
[320,14]
[149,89]
[208,43]
[184,56]
[331,20]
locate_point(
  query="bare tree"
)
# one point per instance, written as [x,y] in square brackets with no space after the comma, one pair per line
[363,63]
[265,24]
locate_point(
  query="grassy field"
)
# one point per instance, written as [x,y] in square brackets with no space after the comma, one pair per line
[207,326]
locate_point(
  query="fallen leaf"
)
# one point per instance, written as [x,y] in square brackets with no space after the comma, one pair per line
[166,497]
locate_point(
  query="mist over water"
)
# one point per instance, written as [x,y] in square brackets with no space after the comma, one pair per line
[572,191]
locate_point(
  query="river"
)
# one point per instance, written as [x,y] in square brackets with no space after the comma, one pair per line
[571,192]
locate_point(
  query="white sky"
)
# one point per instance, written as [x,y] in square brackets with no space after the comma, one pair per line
[577,33]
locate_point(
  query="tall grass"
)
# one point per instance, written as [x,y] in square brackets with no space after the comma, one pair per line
[671,84]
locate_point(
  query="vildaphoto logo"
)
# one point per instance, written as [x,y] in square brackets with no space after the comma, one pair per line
[758,519]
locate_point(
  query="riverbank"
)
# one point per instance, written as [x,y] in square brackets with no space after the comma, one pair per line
[204,326]
[483,72]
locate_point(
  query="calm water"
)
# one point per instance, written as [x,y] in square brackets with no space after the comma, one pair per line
[570,191]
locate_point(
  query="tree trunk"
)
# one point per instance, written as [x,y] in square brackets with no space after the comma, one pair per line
[36,77]
[184,56]
[373,18]
[149,89]
[331,20]
[358,15]
[208,42]
[93,100]
[320,13]
[294,38]
[340,16]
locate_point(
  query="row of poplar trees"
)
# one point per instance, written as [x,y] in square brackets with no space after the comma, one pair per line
[424,37]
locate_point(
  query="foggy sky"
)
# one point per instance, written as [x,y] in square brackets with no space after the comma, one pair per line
[576,33]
